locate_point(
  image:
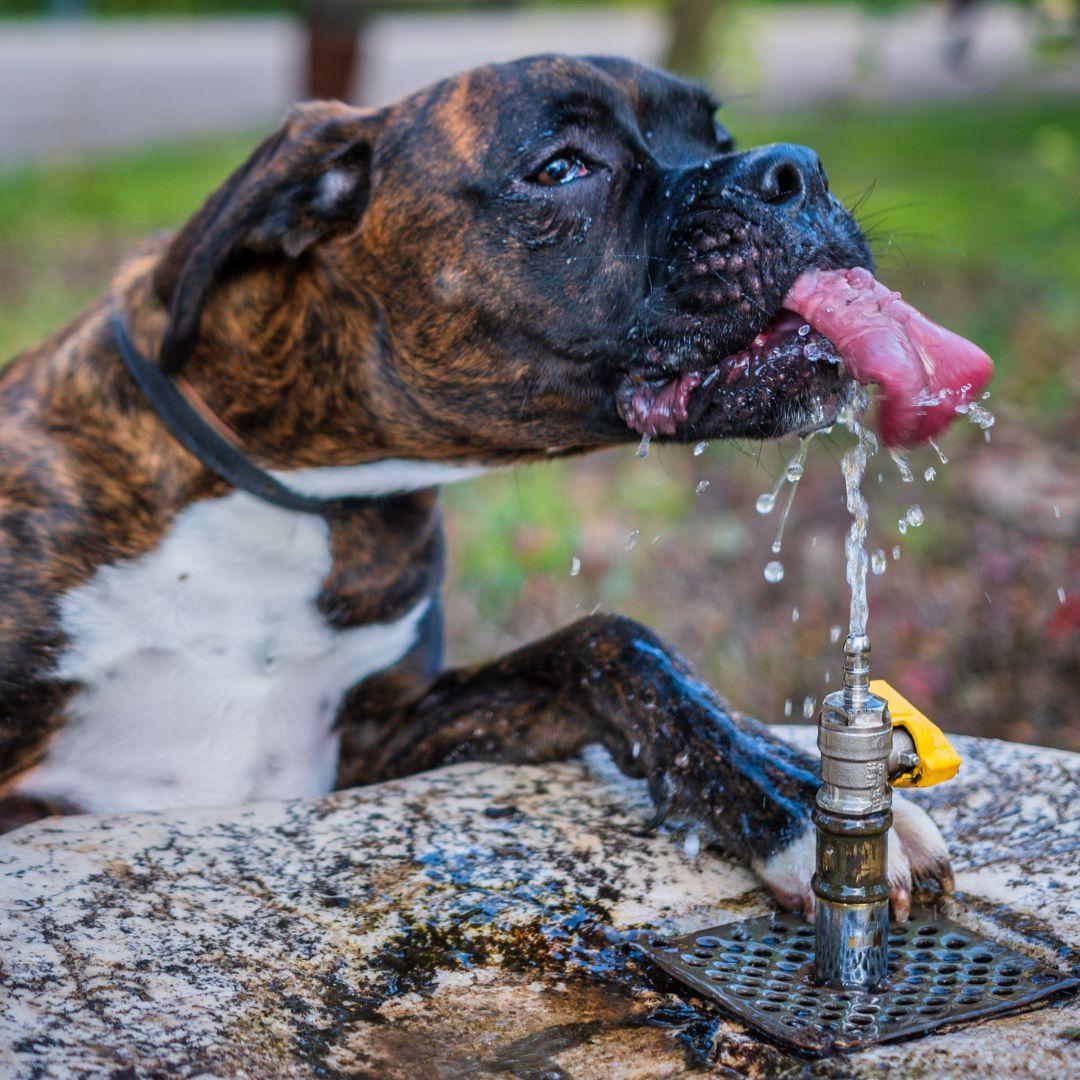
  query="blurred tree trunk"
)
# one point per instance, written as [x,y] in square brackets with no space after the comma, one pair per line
[690,51]
[335,30]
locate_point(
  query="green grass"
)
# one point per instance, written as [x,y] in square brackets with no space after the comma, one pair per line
[63,227]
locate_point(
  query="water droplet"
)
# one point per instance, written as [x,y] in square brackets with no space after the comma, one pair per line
[700,448]
[979,415]
[834,634]
[636,751]
[792,474]
[630,542]
[808,706]
[794,614]
[765,503]
[937,450]
[902,526]
[692,845]
[902,464]
[788,706]
[877,562]
[643,446]
[896,552]
[1057,510]
[701,486]
[915,516]
[930,474]
[804,330]
[1061,595]
[575,566]
[774,572]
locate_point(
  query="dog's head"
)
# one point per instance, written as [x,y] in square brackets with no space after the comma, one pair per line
[534,257]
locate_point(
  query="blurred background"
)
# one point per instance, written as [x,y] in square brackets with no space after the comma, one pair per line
[953,127]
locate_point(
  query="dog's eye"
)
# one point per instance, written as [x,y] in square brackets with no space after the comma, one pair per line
[562,170]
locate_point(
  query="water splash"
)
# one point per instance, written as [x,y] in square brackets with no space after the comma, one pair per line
[937,450]
[643,447]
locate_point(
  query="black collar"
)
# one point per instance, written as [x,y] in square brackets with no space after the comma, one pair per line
[197,435]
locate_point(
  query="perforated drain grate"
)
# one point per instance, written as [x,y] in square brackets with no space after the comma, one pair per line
[761,972]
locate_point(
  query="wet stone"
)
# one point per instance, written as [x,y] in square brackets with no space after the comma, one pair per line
[474,921]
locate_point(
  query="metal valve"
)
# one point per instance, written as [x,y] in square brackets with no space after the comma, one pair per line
[921,755]
[870,738]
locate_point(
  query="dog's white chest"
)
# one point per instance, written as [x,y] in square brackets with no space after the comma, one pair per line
[208,675]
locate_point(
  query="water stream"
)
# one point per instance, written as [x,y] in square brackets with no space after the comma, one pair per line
[853,467]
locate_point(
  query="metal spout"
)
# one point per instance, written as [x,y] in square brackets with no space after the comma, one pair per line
[853,816]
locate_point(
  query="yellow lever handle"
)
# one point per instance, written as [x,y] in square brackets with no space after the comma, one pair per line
[938,761]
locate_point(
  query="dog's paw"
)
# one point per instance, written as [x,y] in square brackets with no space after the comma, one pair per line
[918,859]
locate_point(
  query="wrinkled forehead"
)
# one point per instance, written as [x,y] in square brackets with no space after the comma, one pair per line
[488,117]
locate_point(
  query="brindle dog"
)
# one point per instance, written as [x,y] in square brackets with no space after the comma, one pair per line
[376,302]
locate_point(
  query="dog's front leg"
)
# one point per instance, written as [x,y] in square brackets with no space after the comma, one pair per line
[612,681]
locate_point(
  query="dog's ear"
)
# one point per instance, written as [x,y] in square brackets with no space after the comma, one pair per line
[306,182]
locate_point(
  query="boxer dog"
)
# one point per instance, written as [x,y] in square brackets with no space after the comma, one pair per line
[529,260]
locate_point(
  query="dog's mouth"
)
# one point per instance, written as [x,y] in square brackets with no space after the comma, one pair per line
[787,363]
[834,326]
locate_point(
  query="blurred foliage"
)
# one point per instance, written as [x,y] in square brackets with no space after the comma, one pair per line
[975,214]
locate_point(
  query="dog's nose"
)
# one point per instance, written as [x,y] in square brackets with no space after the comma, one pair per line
[784,174]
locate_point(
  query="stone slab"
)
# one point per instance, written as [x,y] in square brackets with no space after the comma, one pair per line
[470,921]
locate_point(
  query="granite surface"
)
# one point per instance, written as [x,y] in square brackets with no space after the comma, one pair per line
[470,921]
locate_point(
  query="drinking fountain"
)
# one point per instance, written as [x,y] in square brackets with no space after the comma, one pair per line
[853,979]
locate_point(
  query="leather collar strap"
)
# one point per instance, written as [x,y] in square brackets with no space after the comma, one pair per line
[199,436]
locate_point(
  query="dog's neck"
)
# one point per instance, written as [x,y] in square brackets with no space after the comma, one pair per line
[300,382]
[290,375]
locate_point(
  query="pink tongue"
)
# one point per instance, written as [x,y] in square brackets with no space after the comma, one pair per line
[924,370]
